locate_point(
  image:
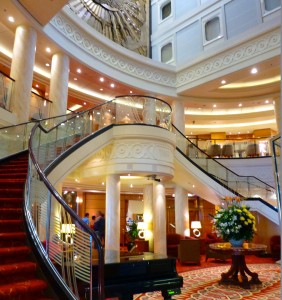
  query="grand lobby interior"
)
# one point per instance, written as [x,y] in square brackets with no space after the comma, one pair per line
[151,111]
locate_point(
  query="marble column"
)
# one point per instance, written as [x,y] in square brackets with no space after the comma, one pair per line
[277,110]
[59,84]
[148,214]
[159,222]
[112,219]
[178,115]
[181,211]
[149,112]
[22,71]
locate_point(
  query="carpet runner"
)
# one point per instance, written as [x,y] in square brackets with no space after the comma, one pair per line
[203,284]
[19,279]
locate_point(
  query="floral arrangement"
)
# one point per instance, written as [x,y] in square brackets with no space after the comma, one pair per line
[234,221]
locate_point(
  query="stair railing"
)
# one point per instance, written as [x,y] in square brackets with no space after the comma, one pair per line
[67,241]
[276,150]
[245,186]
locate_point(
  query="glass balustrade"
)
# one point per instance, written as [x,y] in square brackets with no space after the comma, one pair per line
[6,86]
[246,186]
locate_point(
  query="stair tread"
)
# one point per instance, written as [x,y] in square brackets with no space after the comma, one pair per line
[15,235]
[13,268]
[22,287]
[7,251]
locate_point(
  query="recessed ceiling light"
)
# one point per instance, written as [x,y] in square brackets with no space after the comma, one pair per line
[48,50]
[130,92]
[214,105]
[102,79]
[75,78]
[240,104]
[37,85]
[11,19]
[84,103]
[101,89]
[254,70]
[78,70]
[47,65]
[266,101]
[223,81]
[112,85]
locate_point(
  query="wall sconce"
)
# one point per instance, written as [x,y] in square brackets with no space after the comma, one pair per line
[141,226]
[196,225]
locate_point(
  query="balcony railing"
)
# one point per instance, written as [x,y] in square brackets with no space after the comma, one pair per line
[246,186]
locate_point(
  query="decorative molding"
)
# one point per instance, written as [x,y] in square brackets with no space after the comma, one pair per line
[94,47]
[139,67]
[135,151]
[230,58]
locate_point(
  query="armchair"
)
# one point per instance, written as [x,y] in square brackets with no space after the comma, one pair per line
[189,251]
[172,242]
[275,247]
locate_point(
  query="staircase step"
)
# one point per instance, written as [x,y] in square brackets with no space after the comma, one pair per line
[10,213]
[12,239]
[17,272]
[11,225]
[21,290]
[8,192]
[16,202]
[14,254]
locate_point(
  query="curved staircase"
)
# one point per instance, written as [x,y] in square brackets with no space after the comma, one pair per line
[19,274]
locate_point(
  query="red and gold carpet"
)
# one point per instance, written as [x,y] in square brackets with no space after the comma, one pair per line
[203,284]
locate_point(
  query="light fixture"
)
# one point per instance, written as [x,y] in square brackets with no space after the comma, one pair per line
[196,225]
[254,70]
[141,226]
[11,19]
[67,231]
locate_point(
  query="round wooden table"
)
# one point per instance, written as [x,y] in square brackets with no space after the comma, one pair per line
[238,265]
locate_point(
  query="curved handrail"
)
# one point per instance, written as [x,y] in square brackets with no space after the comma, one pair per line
[70,211]
[237,184]
[49,142]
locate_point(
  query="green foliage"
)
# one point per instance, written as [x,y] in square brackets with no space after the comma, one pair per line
[132,232]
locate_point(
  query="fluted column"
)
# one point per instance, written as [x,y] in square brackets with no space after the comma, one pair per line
[148,214]
[112,219]
[59,83]
[159,209]
[178,116]
[181,211]
[22,71]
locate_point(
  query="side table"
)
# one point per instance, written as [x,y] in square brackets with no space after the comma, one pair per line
[238,264]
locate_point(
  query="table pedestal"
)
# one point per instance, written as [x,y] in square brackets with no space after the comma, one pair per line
[239,266]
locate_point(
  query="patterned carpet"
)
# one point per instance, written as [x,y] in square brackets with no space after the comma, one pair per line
[203,285]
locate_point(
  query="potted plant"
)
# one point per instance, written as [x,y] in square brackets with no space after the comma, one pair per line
[234,222]
[132,234]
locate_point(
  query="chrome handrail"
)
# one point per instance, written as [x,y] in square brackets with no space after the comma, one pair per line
[245,186]
[46,208]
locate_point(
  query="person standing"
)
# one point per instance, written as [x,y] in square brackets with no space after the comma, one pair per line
[99,225]
[86,219]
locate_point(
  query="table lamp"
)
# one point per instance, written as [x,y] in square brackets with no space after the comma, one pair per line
[196,225]
[141,226]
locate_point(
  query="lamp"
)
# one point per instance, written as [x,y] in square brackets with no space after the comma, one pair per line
[196,225]
[141,226]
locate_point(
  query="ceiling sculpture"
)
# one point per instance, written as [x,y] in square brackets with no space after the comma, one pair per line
[122,21]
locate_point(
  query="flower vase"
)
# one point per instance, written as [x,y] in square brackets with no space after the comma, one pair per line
[236,243]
